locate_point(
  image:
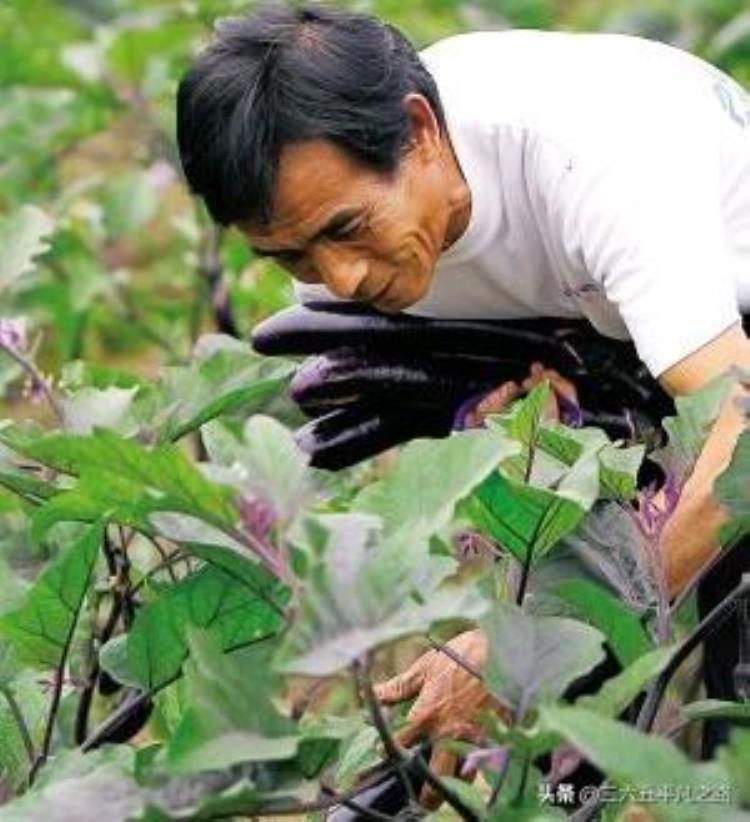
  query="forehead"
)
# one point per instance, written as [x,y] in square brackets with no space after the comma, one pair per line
[314,179]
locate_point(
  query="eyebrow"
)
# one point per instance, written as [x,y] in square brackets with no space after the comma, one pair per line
[337,221]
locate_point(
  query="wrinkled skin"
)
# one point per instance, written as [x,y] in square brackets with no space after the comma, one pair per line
[367,235]
[449,701]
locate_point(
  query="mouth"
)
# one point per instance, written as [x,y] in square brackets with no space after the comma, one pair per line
[378,294]
[388,299]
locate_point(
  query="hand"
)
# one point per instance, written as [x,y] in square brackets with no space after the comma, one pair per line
[563,394]
[449,702]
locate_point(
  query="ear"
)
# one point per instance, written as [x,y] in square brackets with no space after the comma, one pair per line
[426,138]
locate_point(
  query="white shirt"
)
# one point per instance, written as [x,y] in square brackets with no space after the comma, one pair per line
[610,179]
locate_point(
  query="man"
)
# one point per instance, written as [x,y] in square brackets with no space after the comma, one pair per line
[499,175]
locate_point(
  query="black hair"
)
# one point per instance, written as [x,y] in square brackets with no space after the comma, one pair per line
[281,75]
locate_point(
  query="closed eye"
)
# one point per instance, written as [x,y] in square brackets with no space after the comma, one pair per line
[345,231]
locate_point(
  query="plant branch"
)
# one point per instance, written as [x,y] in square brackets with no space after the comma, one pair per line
[164,565]
[57,686]
[703,630]
[527,561]
[37,379]
[397,755]
[656,692]
[461,661]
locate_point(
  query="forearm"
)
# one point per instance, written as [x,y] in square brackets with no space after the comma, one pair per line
[690,538]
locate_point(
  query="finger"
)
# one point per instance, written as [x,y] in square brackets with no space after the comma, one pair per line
[405,685]
[443,762]
[495,401]
[411,734]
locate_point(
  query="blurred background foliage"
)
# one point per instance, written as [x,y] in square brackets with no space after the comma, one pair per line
[136,272]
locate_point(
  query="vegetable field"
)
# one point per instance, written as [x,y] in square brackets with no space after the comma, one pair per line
[192,617]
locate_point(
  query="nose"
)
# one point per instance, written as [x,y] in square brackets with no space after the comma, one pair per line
[341,272]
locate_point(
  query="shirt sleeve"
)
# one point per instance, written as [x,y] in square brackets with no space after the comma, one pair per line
[640,212]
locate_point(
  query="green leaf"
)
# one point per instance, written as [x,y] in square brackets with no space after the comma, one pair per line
[231,717]
[138,480]
[589,602]
[211,600]
[226,375]
[526,519]
[91,408]
[41,629]
[618,467]
[27,487]
[618,692]
[113,658]
[363,589]
[733,488]
[688,430]
[359,754]
[22,239]
[532,659]
[735,758]
[629,758]
[76,786]
[276,469]
[411,499]
[33,704]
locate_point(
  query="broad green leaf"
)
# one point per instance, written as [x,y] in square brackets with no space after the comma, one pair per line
[733,487]
[210,600]
[33,705]
[97,494]
[226,375]
[618,467]
[411,497]
[609,545]
[231,717]
[91,408]
[73,764]
[363,588]
[629,758]
[736,760]
[276,469]
[589,602]
[618,470]
[197,797]
[41,629]
[360,753]
[113,658]
[526,519]
[618,692]
[27,487]
[688,430]
[161,478]
[524,419]
[533,659]
[22,239]
[80,791]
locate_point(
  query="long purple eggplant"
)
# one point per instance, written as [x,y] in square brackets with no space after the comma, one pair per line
[347,436]
[346,375]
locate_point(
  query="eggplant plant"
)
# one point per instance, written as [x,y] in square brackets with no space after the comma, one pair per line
[192,617]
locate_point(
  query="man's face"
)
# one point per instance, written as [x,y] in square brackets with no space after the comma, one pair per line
[364,235]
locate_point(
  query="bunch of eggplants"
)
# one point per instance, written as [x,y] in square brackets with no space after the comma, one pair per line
[374,380]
